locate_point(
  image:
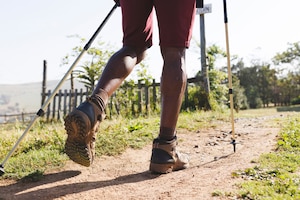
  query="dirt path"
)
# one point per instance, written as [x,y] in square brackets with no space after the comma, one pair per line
[127,177]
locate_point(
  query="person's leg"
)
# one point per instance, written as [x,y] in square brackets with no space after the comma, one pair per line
[118,68]
[82,123]
[137,38]
[175,31]
[175,19]
[165,158]
[173,83]
[137,17]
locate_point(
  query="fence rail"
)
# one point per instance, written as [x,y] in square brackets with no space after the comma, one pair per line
[12,118]
[66,100]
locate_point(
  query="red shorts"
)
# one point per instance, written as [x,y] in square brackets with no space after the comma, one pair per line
[175,22]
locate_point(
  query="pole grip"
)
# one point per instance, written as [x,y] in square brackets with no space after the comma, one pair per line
[225,11]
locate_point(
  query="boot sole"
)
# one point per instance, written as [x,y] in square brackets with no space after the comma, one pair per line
[167,167]
[75,147]
[161,168]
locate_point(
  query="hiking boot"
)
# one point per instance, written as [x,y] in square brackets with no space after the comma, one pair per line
[165,158]
[81,126]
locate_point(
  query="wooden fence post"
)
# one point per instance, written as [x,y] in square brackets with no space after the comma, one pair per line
[53,107]
[186,97]
[44,82]
[139,96]
[65,102]
[48,108]
[130,102]
[154,94]
[147,99]
[59,105]
[75,98]
[110,106]
[70,100]
[81,96]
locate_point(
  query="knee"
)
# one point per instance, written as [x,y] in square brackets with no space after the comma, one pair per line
[134,52]
[172,53]
[174,65]
[174,75]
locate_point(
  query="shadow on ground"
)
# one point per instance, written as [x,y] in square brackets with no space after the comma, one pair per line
[19,189]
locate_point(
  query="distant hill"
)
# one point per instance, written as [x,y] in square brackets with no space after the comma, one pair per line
[26,97]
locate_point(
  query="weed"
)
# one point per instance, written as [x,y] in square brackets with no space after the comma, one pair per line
[275,177]
[217,194]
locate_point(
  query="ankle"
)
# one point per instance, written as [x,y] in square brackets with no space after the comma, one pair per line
[166,133]
[100,99]
[165,141]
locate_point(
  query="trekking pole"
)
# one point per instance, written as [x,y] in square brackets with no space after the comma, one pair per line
[233,141]
[41,111]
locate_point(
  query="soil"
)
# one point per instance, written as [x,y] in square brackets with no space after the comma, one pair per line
[127,177]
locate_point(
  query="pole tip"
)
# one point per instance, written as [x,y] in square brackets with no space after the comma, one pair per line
[233,142]
[1,170]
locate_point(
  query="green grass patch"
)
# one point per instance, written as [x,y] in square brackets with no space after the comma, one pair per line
[276,175]
[42,149]
[119,134]
[193,121]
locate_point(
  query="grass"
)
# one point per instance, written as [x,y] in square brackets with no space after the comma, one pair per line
[276,175]
[43,147]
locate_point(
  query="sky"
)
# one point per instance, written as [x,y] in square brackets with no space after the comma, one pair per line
[34,30]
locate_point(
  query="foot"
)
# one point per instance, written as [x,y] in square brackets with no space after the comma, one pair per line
[165,158]
[81,126]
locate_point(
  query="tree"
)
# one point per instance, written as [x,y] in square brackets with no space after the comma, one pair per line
[217,97]
[93,65]
[292,54]
[240,101]
[248,80]
[260,84]
[213,52]
[265,79]
[218,80]
[290,81]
